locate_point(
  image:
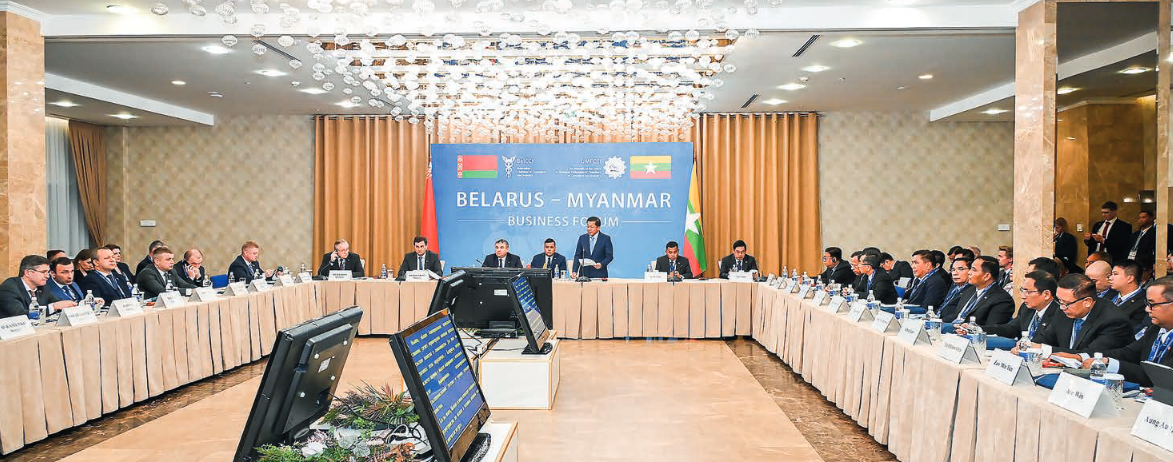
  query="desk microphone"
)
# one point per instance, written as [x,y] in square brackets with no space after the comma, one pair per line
[479,262]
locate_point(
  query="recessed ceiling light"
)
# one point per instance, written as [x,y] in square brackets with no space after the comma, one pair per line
[178,82]
[124,116]
[216,49]
[1066,90]
[902,87]
[1072,138]
[270,73]
[215,94]
[346,104]
[313,90]
[1135,70]
[846,43]
[65,103]
[925,76]
[791,86]
[815,68]
[119,9]
[995,111]
[774,101]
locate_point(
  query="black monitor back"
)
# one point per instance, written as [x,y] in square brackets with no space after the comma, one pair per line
[299,381]
[485,296]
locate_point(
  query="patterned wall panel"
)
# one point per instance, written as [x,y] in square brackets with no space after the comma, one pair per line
[900,183]
[214,188]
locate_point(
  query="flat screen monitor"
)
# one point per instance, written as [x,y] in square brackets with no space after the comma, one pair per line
[447,290]
[299,380]
[439,378]
[526,307]
[483,300]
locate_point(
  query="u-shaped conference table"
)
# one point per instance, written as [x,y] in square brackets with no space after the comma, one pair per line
[921,406]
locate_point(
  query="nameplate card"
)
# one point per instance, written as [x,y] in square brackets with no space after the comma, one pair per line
[837,304]
[741,276]
[1155,424]
[819,298]
[1082,396]
[884,322]
[912,332]
[304,277]
[771,279]
[170,300]
[796,287]
[783,283]
[124,308]
[77,316]
[957,350]
[204,294]
[259,285]
[803,292]
[418,276]
[15,327]
[655,276]
[236,289]
[1006,367]
[340,275]
[859,312]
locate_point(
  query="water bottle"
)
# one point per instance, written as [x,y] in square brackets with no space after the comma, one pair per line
[933,325]
[804,276]
[302,269]
[231,278]
[1028,353]
[651,267]
[35,312]
[207,282]
[383,272]
[794,274]
[977,336]
[257,274]
[900,312]
[785,271]
[850,294]
[1099,367]
[134,292]
[872,305]
[90,303]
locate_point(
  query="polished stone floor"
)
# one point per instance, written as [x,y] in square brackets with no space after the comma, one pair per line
[619,400]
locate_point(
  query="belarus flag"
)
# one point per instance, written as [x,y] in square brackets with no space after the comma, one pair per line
[476,166]
[651,167]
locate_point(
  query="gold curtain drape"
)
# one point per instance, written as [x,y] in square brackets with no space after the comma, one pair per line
[369,175]
[88,145]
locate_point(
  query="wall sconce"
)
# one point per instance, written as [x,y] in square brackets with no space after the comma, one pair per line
[1148,196]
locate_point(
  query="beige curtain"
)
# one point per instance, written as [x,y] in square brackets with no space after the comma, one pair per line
[760,183]
[369,177]
[88,145]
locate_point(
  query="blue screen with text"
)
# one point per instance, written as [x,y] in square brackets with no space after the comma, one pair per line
[529,305]
[447,379]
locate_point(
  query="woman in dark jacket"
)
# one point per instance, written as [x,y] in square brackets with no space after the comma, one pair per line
[1065,247]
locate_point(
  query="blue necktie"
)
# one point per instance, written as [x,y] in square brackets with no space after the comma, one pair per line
[421,264]
[672,266]
[952,293]
[592,249]
[1034,325]
[968,306]
[1075,332]
[1118,300]
[870,279]
[1160,347]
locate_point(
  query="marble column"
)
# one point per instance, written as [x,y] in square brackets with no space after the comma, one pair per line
[23,187]
[1163,112]
[1034,134]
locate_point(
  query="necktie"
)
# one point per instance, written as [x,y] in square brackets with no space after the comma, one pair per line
[592,249]
[1118,300]
[1075,332]
[33,297]
[547,264]
[952,293]
[1160,347]
[1104,233]
[739,265]
[421,264]
[1138,238]
[672,266]
[968,307]
[870,279]
[501,261]
[912,288]
[114,284]
[1034,325]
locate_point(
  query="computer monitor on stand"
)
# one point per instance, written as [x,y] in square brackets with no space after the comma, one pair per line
[526,308]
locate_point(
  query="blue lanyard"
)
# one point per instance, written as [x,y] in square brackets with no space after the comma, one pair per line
[1160,347]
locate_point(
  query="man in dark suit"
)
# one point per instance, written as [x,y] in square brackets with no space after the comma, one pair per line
[596,246]
[1006,267]
[859,284]
[420,259]
[1155,341]
[942,270]
[896,268]
[988,303]
[147,260]
[878,282]
[739,260]
[959,289]
[61,284]
[1142,246]
[191,269]
[17,292]
[1038,309]
[1099,272]
[549,258]
[672,263]
[155,279]
[342,259]
[122,267]
[1089,324]
[926,288]
[501,258]
[1065,247]
[1110,234]
[245,267]
[838,271]
[103,281]
[1129,299]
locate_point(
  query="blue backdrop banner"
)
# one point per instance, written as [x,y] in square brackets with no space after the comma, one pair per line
[526,193]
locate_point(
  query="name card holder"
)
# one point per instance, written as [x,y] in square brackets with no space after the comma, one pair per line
[655,276]
[884,322]
[170,300]
[77,316]
[771,279]
[204,294]
[837,304]
[1155,424]
[1007,368]
[819,298]
[259,285]
[795,287]
[16,327]
[123,308]
[912,332]
[783,284]
[417,276]
[304,277]
[803,292]
[284,280]
[741,276]
[958,350]
[859,312]
[236,289]
[1082,396]
[340,275]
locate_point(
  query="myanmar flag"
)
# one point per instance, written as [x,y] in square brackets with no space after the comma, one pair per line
[651,167]
[476,166]
[694,238]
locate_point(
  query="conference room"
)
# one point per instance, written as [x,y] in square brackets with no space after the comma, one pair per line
[267,230]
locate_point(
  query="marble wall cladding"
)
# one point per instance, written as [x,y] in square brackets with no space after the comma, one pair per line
[23,186]
[246,178]
[1034,132]
[1148,111]
[896,181]
[1115,158]
[1071,186]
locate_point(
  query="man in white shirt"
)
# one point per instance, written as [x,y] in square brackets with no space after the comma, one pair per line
[1110,234]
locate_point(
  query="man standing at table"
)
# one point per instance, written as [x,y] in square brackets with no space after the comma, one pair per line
[420,259]
[739,260]
[596,246]
[501,258]
[342,259]
[838,271]
[672,263]
[1155,341]
[245,267]
[104,281]
[549,258]
[17,293]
